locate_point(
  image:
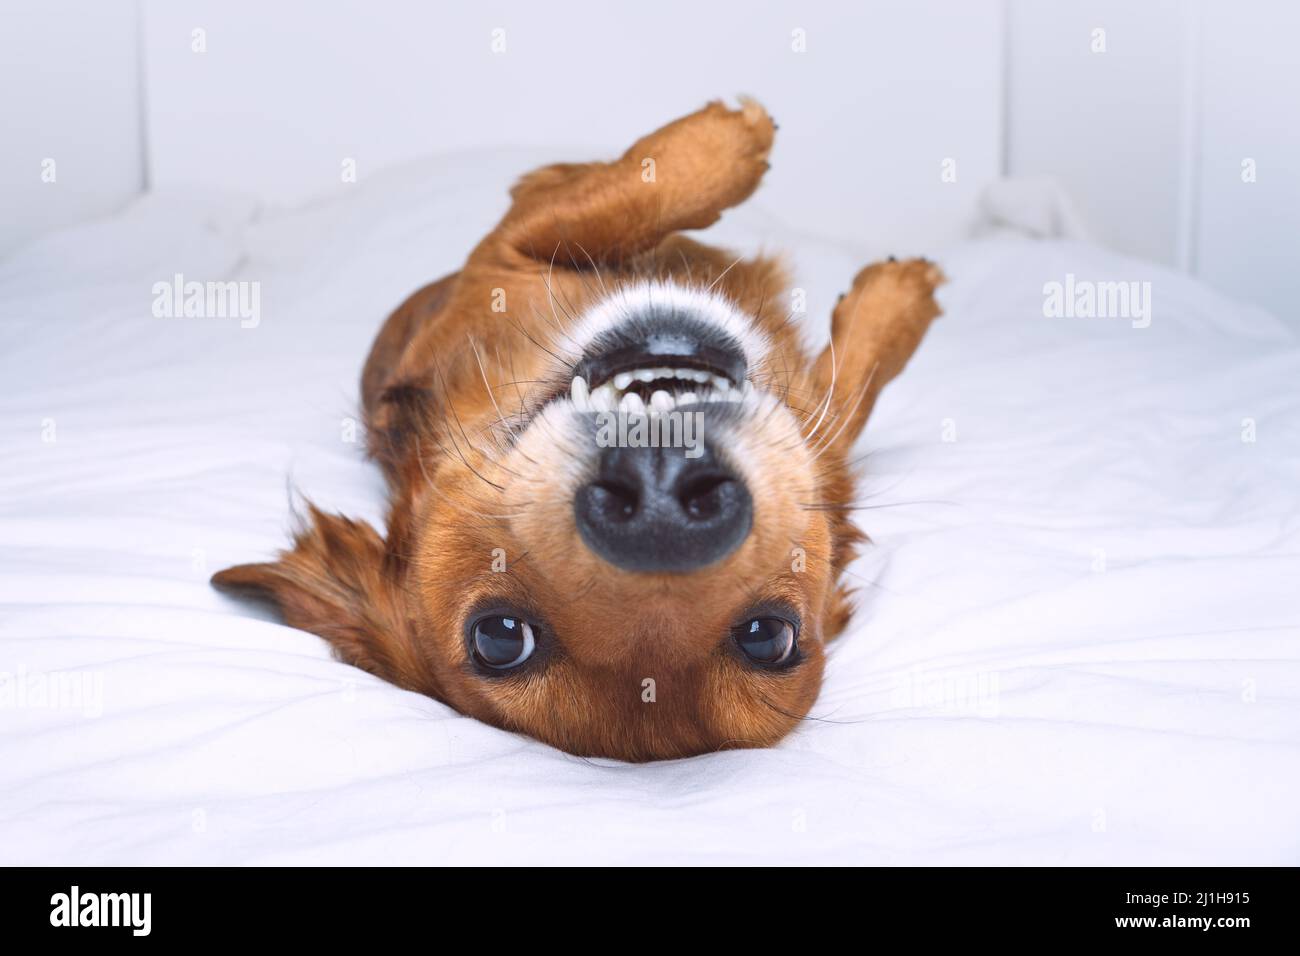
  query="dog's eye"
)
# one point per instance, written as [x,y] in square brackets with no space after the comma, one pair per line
[501,641]
[767,640]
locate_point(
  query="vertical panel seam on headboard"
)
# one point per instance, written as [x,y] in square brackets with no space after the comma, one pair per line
[142,97]
[1189,171]
[1004,104]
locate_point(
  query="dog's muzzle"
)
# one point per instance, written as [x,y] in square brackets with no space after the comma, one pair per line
[663,498]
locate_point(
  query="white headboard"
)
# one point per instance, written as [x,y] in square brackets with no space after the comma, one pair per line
[284,93]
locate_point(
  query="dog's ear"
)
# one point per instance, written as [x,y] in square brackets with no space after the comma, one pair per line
[875,328]
[340,582]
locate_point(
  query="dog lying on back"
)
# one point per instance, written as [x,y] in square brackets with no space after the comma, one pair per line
[620,489]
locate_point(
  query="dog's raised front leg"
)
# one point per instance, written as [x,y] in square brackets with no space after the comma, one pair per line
[875,328]
[679,177]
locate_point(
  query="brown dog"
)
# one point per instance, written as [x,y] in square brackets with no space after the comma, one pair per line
[620,490]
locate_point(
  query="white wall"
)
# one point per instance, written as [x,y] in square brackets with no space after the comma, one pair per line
[1109,125]
[286,91]
[1248,233]
[1149,137]
[69,114]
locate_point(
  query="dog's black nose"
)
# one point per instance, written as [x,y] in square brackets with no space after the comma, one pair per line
[654,509]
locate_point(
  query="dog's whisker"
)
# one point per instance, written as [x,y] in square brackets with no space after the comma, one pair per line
[830,393]
[722,275]
[862,394]
[501,416]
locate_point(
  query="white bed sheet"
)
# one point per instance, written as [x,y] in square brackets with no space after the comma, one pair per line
[1079,635]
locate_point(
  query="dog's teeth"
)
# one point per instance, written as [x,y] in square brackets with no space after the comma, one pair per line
[604,399]
[580,394]
[611,397]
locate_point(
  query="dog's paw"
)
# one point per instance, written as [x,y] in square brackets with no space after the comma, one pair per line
[742,135]
[916,275]
[719,154]
[890,292]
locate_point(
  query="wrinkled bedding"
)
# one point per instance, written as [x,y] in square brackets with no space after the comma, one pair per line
[1079,630]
